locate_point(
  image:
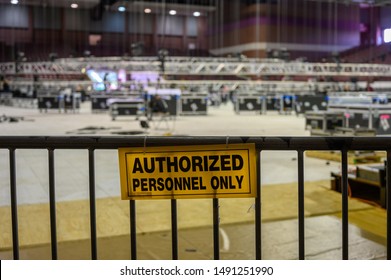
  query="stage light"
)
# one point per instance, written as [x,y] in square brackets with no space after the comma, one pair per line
[387,35]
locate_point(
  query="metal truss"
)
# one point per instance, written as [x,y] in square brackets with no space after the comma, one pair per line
[250,87]
[198,66]
[257,87]
[273,68]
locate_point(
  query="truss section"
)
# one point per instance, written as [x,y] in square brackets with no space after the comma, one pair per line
[198,66]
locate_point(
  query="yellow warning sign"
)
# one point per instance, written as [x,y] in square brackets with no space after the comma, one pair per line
[211,171]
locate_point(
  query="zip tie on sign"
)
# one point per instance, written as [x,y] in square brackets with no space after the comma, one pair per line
[145,143]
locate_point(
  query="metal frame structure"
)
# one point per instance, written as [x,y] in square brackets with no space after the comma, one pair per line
[201,85]
[299,144]
[199,66]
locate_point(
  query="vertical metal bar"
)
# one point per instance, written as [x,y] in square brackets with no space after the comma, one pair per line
[345,207]
[14,206]
[133,237]
[174,229]
[301,218]
[388,204]
[91,164]
[216,234]
[258,211]
[52,205]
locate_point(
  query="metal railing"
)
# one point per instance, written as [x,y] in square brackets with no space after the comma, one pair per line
[200,66]
[299,144]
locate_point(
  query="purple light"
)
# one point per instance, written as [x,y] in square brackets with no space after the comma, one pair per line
[387,35]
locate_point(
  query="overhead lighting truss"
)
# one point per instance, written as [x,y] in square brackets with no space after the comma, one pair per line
[199,66]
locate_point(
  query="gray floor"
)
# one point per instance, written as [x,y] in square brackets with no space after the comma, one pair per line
[71,165]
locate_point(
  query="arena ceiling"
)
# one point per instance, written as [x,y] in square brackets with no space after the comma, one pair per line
[206,3]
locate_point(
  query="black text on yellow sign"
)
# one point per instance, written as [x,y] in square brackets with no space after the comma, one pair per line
[212,171]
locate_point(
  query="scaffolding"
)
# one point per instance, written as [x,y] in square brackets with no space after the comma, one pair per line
[198,66]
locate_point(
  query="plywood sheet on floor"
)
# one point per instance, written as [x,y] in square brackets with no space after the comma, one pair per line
[353,158]
[279,202]
[279,242]
[372,221]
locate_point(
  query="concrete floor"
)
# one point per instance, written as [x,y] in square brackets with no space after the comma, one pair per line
[220,121]
[72,178]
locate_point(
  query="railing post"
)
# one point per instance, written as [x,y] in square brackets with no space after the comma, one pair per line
[258,211]
[133,236]
[301,217]
[91,164]
[345,206]
[388,204]
[216,233]
[174,229]
[52,205]
[14,205]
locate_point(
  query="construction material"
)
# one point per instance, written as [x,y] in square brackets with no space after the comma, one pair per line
[353,157]
[346,131]
[126,107]
[194,104]
[323,122]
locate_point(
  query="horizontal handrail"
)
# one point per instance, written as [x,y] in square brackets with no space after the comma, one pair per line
[266,143]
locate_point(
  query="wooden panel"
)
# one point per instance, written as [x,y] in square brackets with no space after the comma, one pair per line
[279,203]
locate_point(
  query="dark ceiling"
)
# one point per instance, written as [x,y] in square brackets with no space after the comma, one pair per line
[108,3]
